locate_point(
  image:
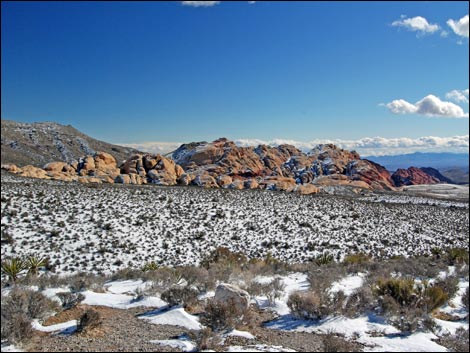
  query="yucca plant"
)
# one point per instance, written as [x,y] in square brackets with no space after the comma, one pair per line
[34,263]
[13,267]
[150,266]
[324,259]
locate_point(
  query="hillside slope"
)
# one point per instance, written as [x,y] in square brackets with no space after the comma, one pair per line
[41,143]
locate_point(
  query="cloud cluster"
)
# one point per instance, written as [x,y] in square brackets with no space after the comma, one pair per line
[421,25]
[458,96]
[459,27]
[416,24]
[200,3]
[430,106]
[366,146]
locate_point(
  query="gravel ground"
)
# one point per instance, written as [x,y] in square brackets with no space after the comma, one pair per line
[123,331]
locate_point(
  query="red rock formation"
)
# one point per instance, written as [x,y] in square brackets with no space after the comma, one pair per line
[413,176]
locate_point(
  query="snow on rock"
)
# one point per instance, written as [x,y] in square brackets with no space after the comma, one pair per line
[244,334]
[259,348]
[64,327]
[128,286]
[176,316]
[417,342]
[51,293]
[182,343]
[10,348]
[120,301]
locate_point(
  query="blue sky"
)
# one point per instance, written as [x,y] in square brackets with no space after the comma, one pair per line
[129,72]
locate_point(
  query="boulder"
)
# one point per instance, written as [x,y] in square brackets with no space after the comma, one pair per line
[184,179]
[307,189]
[33,172]
[12,168]
[230,294]
[55,167]
[224,180]
[237,184]
[123,179]
[250,184]
[205,180]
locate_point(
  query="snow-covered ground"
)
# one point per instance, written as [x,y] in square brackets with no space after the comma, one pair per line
[103,228]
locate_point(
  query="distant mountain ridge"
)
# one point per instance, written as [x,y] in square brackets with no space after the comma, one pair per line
[440,161]
[43,142]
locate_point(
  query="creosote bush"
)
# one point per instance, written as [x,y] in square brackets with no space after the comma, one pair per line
[19,308]
[220,316]
[185,296]
[308,305]
[90,319]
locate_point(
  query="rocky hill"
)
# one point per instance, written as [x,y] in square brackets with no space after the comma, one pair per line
[418,176]
[223,164]
[40,143]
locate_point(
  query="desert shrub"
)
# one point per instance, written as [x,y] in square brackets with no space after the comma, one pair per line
[127,274]
[400,290]
[272,290]
[185,296]
[359,302]
[70,300]
[334,342]
[208,340]
[90,319]
[163,278]
[220,316]
[224,255]
[17,311]
[356,259]
[434,297]
[198,277]
[30,303]
[456,343]
[83,281]
[449,284]
[308,305]
[16,327]
[321,278]
[465,299]
[456,256]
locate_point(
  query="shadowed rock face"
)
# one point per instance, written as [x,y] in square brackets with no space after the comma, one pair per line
[413,176]
[222,163]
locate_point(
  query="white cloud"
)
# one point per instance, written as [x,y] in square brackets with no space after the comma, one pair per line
[200,3]
[376,146]
[458,96]
[154,147]
[430,106]
[416,24]
[366,146]
[459,27]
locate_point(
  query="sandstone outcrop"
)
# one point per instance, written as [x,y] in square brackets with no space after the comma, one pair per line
[413,176]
